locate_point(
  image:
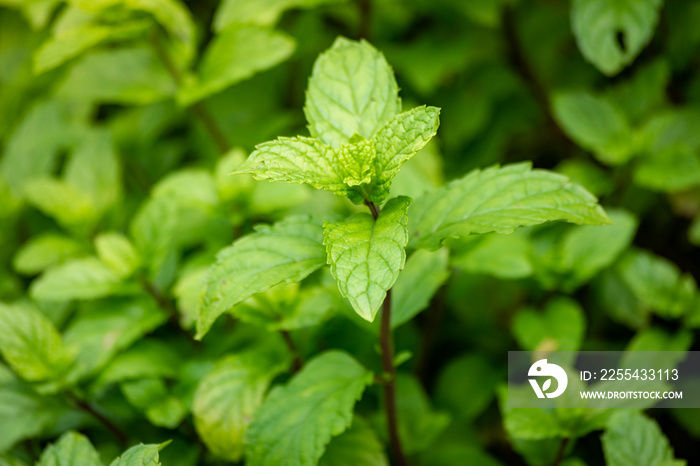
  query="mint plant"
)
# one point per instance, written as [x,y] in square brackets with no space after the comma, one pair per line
[359,141]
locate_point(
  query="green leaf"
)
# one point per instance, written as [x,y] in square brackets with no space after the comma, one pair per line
[127,76]
[596,124]
[528,423]
[153,229]
[673,169]
[117,253]
[366,255]
[599,25]
[262,13]
[424,274]
[140,455]
[399,140]
[86,278]
[502,256]
[352,90]
[237,53]
[70,207]
[30,343]
[175,18]
[71,449]
[228,397]
[632,439]
[286,252]
[457,378]
[358,446]
[43,251]
[296,421]
[500,199]
[560,327]
[657,283]
[102,329]
[150,395]
[694,232]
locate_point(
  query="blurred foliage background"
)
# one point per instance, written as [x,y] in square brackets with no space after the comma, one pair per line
[122,118]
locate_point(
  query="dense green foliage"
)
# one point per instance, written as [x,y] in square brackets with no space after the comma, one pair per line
[234,232]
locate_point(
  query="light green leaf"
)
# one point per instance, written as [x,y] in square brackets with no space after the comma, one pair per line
[632,439]
[259,12]
[366,255]
[188,187]
[71,449]
[352,90]
[358,446]
[672,128]
[117,253]
[424,274]
[228,397]
[502,256]
[140,455]
[296,421]
[103,329]
[560,327]
[399,140]
[69,43]
[286,252]
[30,343]
[175,18]
[500,199]
[237,53]
[597,24]
[676,168]
[70,207]
[153,229]
[127,75]
[596,124]
[187,291]
[462,453]
[43,251]
[86,278]
[528,423]
[657,283]
[150,395]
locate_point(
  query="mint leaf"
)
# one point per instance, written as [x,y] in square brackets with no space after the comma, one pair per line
[259,13]
[366,255]
[140,455]
[597,24]
[286,252]
[398,141]
[43,251]
[71,449]
[560,327]
[674,169]
[117,253]
[502,256]
[86,278]
[424,274]
[70,207]
[31,344]
[596,124]
[175,18]
[500,199]
[632,439]
[352,90]
[228,397]
[358,446]
[237,53]
[296,421]
[151,396]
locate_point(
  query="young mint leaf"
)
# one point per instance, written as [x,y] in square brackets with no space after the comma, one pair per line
[399,140]
[296,421]
[259,13]
[31,344]
[175,18]
[596,124]
[674,169]
[86,278]
[151,396]
[632,439]
[286,252]
[560,327]
[235,54]
[500,199]
[358,446]
[611,33]
[366,255]
[140,455]
[43,251]
[71,207]
[71,449]
[503,256]
[352,90]
[117,253]
[228,397]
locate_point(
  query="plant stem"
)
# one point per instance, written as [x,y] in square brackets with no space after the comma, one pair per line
[119,434]
[560,453]
[198,108]
[386,343]
[296,362]
[365,9]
